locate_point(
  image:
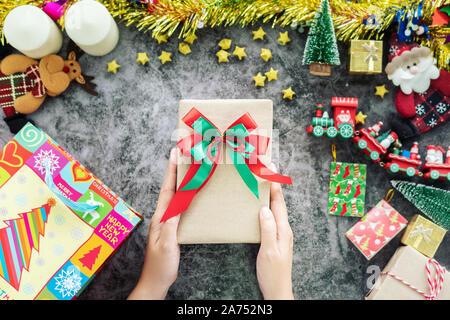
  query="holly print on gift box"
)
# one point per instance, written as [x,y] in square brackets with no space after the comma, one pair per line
[376,229]
[347,189]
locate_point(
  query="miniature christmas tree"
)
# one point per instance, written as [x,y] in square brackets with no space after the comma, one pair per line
[433,202]
[321,48]
[18,240]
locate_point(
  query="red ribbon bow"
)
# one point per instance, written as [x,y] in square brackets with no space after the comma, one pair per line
[183,198]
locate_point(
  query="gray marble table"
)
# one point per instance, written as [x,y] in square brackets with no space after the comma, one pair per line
[124,137]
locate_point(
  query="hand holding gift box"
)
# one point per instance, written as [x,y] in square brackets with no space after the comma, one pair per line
[219,195]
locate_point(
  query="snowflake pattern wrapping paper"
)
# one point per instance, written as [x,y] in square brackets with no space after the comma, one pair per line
[47,249]
[376,229]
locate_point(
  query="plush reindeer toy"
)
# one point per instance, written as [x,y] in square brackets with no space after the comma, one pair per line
[25,83]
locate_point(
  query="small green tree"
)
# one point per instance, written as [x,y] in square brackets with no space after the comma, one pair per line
[433,202]
[321,46]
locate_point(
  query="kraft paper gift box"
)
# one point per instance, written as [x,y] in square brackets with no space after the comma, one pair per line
[366,56]
[423,235]
[224,210]
[407,270]
[58,222]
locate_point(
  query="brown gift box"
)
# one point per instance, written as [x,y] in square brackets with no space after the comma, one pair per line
[409,265]
[423,235]
[366,56]
[224,210]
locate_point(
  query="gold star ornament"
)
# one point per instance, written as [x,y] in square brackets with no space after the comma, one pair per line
[239,52]
[142,58]
[259,80]
[284,38]
[272,75]
[222,55]
[288,93]
[259,34]
[161,38]
[190,39]
[225,44]
[360,118]
[266,54]
[113,66]
[165,57]
[381,91]
[184,48]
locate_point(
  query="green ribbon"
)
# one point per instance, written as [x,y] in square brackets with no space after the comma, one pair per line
[209,152]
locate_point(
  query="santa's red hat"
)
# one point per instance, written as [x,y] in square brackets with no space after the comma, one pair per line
[401,52]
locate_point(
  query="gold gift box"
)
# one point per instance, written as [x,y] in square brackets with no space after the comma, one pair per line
[423,235]
[366,56]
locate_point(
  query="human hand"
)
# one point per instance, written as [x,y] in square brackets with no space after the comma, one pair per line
[274,261]
[162,256]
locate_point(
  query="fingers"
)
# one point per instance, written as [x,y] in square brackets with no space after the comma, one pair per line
[278,206]
[268,229]
[168,233]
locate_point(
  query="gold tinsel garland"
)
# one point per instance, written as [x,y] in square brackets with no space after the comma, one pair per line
[167,16]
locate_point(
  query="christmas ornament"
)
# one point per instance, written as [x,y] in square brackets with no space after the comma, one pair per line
[222,56]
[435,167]
[343,122]
[239,52]
[259,34]
[422,101]
[374,231]
[190,38]
[409,23]
[433,202]
[321,48]
[284,38]
[184,48]
[288,93]
[142,58]
[225,44]
[366,56]
[113,66]
[55,10]
[165,57]
[161,38]
[360,118]
[27,82]
[271,75]
[266,54]
[381,90]
[259,80]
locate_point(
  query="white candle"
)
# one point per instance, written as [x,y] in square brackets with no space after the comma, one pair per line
[90,25]
[31,31]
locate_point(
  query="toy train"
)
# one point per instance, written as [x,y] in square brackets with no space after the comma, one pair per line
[408,162]
[343,123]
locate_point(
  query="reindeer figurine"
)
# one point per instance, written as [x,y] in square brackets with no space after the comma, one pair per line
[25,83]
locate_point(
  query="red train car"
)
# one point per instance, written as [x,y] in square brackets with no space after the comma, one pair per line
[435,171]
[369,145]
[397,163]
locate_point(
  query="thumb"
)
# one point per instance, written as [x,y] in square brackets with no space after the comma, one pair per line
[169,230]
[268,229]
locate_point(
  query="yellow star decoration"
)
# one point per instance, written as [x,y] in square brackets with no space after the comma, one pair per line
[259,34]
[259,80]
[239,52]
[165,57]
[272,75]
[222,55]
[266,54]
[161,38]
[360,117]
[142,58]
[225,44]
[381,91]
[113,66]
[288,93]
[284,38]
[190,39]
[184,48]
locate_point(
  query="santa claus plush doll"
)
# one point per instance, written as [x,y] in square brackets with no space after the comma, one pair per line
[423,98]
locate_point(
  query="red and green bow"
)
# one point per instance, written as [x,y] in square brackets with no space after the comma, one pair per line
[205,145]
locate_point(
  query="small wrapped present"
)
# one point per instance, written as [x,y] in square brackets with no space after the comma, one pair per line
[366,56]
[58,222]
[222,177]
[423,235]
[376,229]
[409,275]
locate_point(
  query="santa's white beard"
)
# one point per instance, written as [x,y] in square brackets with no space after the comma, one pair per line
[419,82]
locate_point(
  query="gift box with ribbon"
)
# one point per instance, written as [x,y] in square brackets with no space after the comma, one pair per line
[409,275]
[423,235]
[366,56]
[223,178]
[58,222]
